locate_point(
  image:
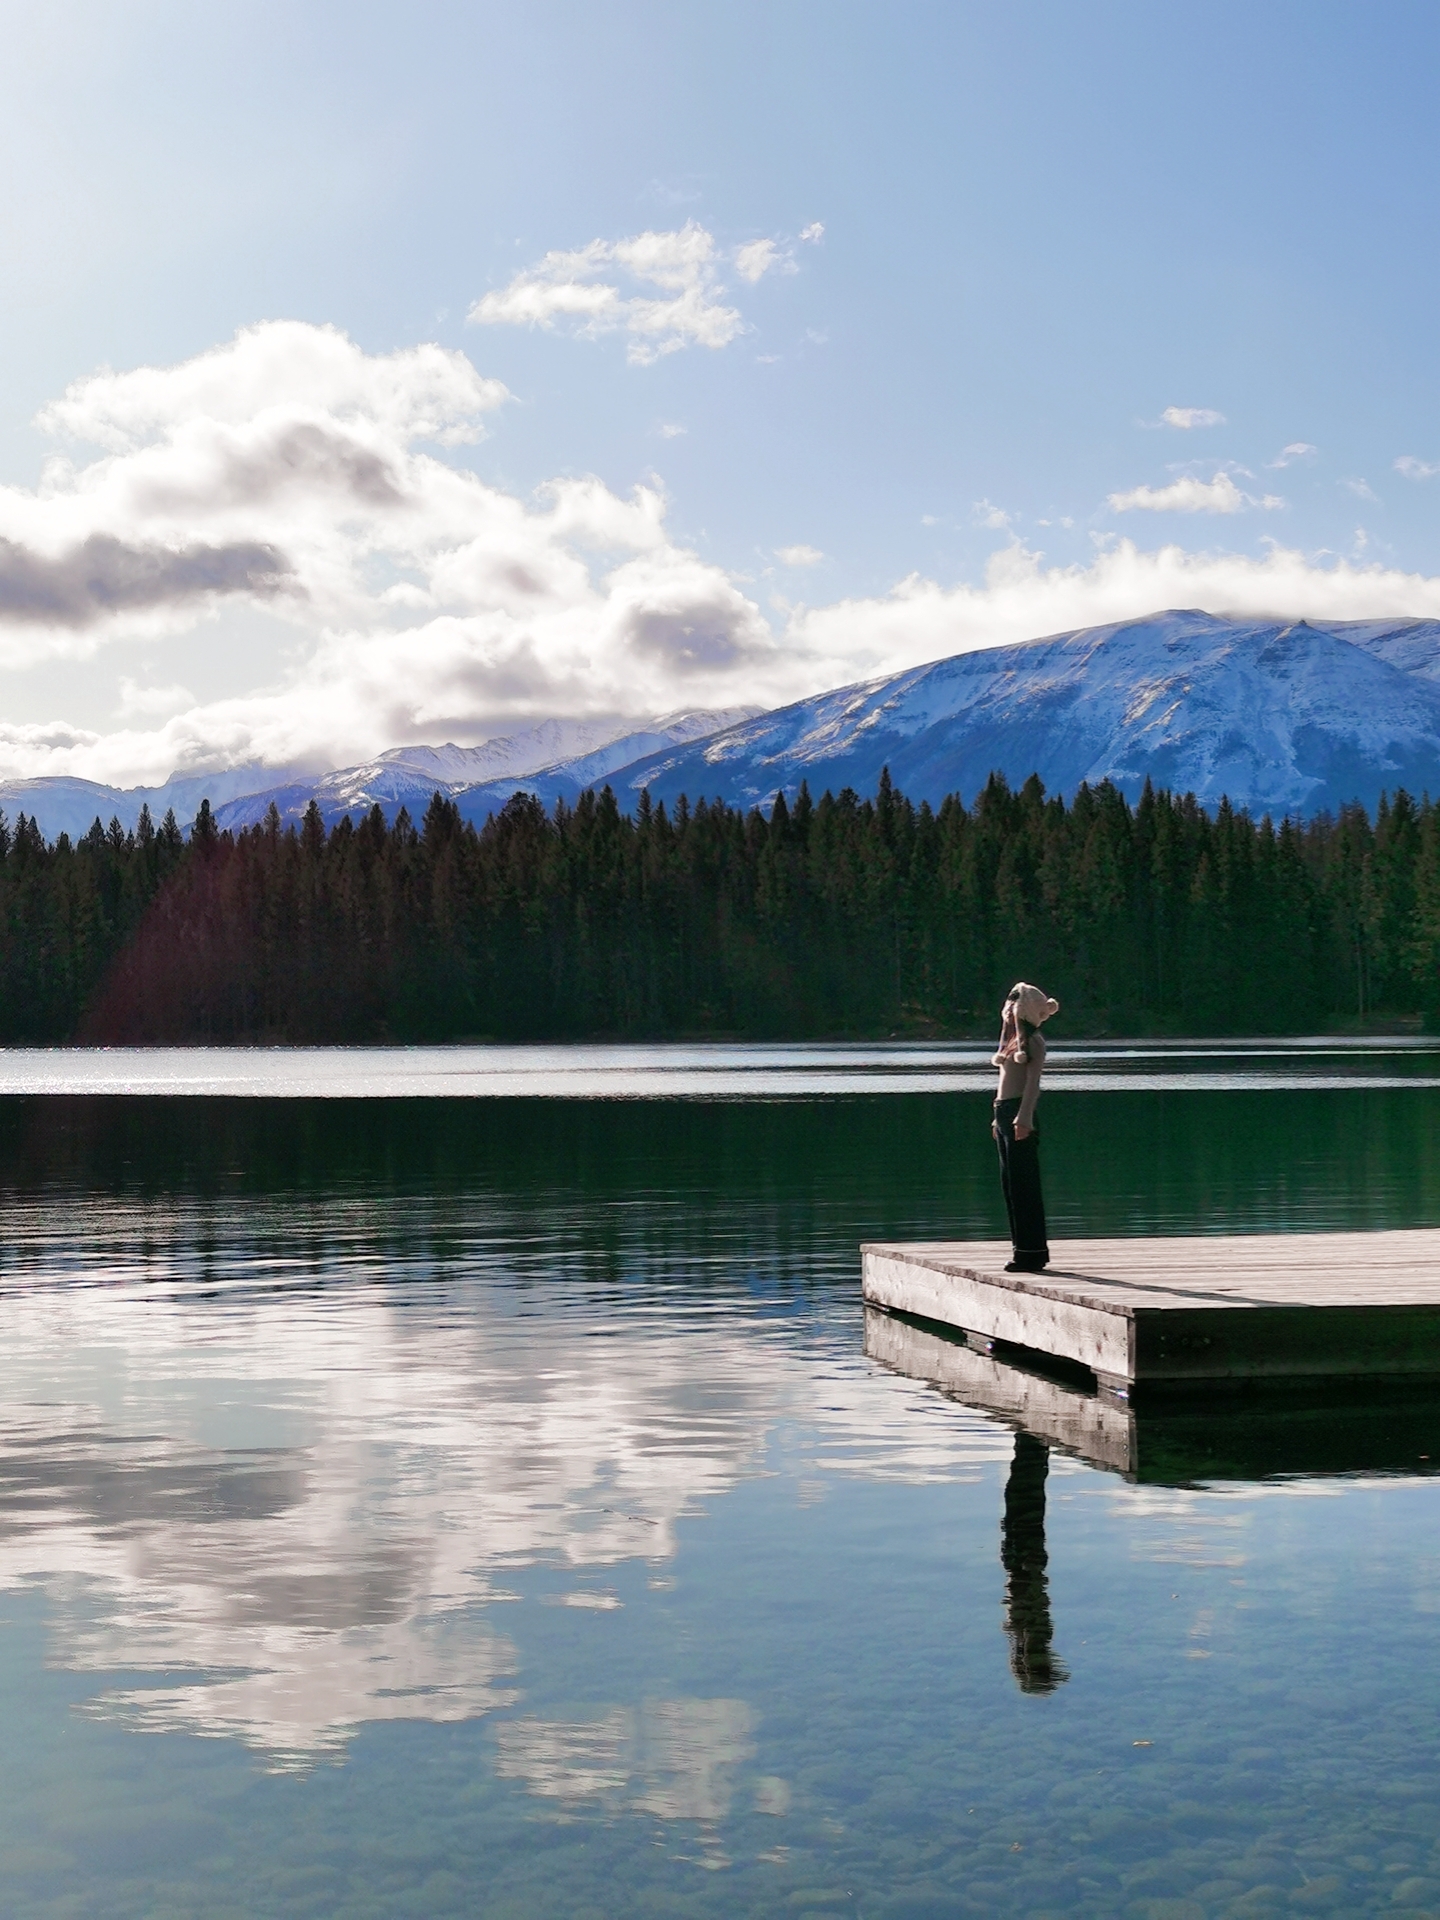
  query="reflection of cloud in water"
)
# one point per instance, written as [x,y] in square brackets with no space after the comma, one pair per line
[306,1701]
[300,1510]
[676,1759]
[672,1759]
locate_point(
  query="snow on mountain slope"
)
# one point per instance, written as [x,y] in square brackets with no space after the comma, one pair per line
[1284,717]
[568,779]
[61,804]
[538,746]
[402,777]
[409,776]
[1413,645]
[1281,717]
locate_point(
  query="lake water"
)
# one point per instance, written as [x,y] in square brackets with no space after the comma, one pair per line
[485,1504]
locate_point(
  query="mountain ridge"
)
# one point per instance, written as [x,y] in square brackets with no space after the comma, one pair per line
[1277,716]
[409,776]
[401,776]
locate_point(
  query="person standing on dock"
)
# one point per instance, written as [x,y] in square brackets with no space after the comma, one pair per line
[1021,1060]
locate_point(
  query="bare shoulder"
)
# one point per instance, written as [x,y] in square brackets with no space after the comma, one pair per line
[1037,1048]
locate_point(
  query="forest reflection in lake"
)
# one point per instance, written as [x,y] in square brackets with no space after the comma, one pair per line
[483,1507]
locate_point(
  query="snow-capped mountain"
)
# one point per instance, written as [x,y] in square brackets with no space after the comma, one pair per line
[1281,717]
[61,804]
[409,776]
[568,779]
[403,777]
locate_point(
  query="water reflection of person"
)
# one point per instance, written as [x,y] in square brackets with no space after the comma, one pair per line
[1021,1058]
[1028,1626]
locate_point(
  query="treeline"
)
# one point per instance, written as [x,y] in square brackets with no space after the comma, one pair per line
[840,916]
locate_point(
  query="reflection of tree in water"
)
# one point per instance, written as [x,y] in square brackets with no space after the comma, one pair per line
[1028,1625]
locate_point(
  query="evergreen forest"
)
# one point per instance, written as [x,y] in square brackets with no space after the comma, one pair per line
[834,917]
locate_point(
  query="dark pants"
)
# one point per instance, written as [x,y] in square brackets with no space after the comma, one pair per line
[1020,1177]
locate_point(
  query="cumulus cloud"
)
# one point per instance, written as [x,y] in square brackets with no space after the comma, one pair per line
[1297,450]
[102,576]
[425,603]
[1189,417]
[1191,495]
[754,260]
[46,746]
[1361,489]
[1414,469]
[584,287]
[421,603]
[814,233]
[259,471]
[420,393]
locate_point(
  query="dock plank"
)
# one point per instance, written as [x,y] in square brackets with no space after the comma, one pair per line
[1157,1308]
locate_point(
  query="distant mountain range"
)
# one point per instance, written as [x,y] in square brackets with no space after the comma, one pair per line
[410,776]
[1283,717]
[403,777]
[61,804]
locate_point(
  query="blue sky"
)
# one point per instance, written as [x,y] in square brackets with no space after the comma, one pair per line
[1045,227]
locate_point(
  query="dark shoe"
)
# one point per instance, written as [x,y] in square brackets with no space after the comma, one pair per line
[1026,1266]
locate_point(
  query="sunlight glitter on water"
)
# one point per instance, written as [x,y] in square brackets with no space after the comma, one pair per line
[719,1070]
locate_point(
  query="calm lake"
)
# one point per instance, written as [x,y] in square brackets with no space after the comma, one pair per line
[455,1482]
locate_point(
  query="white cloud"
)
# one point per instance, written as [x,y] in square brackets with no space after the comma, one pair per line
[46,746]
[1297,450]
[1191,495]
[1021,598]
[605,287]
[425,604]
[420,393]
[1361,489]
[284,470]
[989,515]
[754,260]
[1414,469]
[799,556]
[1188,417]
[572,286]
[814,233]
[671,430]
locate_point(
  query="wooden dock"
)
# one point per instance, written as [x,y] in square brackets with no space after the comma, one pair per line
[1338,1427]
[1167,1311]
